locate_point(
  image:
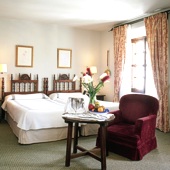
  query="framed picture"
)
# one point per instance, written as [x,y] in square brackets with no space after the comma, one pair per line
[24,56]
[64,57]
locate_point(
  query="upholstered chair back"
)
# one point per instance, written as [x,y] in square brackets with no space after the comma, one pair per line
[135,106]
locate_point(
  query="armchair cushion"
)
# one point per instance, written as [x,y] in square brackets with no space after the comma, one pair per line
[123,133]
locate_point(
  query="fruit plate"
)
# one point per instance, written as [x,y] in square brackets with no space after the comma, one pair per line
[106,111]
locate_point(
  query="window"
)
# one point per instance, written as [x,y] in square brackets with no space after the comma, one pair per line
[138,67]
[137,75]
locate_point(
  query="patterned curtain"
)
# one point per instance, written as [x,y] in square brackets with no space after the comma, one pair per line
[157,37]
[119,37]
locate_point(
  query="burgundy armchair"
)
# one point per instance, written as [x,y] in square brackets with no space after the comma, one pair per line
[132,132]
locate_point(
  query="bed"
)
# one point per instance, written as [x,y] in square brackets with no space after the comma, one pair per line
[60,97]
[31,114]
[86,129]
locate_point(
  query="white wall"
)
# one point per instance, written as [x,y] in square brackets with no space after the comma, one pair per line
[88,48]
[107,44]
[46,38]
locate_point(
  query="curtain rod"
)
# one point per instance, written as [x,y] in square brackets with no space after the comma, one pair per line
[139,19]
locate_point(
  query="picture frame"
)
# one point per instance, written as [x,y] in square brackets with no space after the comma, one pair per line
[24,56]
[64,58]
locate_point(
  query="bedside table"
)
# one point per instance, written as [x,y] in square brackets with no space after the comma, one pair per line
[100,97]
[1,112]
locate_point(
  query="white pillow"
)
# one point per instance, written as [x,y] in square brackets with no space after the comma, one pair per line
[28,96]
[22,97]
[67,95]
[53,96]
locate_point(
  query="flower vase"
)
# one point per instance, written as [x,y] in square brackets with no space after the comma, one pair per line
[92,101]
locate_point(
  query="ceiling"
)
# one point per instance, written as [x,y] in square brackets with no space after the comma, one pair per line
[99,15]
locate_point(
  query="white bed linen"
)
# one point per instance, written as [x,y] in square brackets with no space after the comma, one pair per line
[36,136]
[38,113]
[86,129]
[63,97]
[112,106]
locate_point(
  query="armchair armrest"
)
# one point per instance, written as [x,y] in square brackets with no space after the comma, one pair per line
[118,117]
[145,127]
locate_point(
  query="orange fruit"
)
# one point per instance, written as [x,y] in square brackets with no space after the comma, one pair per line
[100,109]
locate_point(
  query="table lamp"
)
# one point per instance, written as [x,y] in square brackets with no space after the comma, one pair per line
[3,68]
[93,70]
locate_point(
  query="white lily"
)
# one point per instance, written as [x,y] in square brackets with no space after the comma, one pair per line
[75,78]
[87,79]
[103,75]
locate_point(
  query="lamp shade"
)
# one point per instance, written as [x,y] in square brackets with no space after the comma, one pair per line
[3,68]
[93,69]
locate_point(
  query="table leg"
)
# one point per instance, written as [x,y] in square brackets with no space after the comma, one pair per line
[75,138]
[69,139]
[103,146]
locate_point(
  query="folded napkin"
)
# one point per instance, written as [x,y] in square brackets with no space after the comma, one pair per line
[89,116]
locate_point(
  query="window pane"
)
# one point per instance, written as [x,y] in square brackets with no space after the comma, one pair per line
[138,71]
[138,65]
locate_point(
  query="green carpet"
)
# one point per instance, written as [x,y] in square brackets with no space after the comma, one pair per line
[51,156]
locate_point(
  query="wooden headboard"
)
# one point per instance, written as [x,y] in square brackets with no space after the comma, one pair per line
[23,85]
[63,84]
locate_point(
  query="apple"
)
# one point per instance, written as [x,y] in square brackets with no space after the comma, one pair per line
[91,107]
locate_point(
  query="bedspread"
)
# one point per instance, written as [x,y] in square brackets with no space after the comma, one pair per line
[36,113]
